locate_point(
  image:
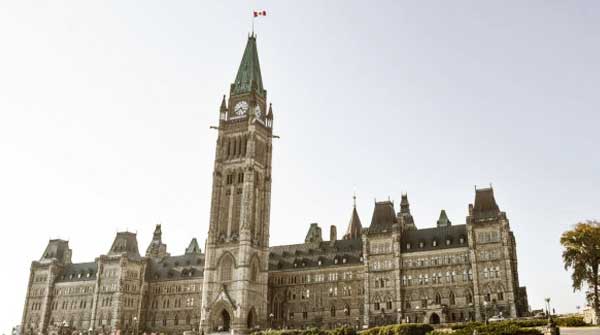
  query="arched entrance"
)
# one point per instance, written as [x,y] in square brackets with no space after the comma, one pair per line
[251,321]
[434,319]
[225,321]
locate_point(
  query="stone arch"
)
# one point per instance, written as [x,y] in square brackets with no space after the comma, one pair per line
[434,318]
[221,316]
[251,319]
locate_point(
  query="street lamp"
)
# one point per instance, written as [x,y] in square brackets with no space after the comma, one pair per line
[271,318]
[135,323]
[485,304]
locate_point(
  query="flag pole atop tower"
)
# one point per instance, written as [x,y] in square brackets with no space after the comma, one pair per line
[256,14]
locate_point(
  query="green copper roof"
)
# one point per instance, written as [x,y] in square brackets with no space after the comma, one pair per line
[443,220]
[249,71]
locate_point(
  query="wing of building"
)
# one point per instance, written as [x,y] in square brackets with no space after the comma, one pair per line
[387,272]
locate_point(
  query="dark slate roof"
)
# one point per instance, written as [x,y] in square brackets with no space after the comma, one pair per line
[384,216]
[176,267]
[249,71]
[308,255]
[79,272]
[439,234]
[354,227]
[125,243]
[56,248]
[485,203]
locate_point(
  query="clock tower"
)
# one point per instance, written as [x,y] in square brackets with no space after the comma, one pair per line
[234,292]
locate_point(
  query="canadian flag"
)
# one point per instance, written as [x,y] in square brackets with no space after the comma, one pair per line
[260,13]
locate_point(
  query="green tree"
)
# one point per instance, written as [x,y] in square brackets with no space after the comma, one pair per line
[582,254]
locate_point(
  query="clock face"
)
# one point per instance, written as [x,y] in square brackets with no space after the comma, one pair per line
[257,112]
[241,108]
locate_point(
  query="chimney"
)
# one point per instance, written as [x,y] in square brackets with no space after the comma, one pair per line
[332,234]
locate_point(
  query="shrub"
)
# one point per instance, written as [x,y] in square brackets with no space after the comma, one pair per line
[399,329]
[343,331]
[498,328]
[571,321]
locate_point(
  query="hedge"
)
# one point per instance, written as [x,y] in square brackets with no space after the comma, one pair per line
[571,321]
[400,329]
[496,328]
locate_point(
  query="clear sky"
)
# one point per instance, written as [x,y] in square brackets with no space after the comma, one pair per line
[105,108]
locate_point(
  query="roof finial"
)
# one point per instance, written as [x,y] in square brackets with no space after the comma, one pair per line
[354,199]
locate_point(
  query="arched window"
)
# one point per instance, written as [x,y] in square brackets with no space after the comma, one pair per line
[452,299]
[254,272]
[469,298]
[438,299]
[226,267]
[332,310]
[346,310]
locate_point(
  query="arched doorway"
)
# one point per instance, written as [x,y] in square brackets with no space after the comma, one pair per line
[251,321]
[434,319]
[225,321]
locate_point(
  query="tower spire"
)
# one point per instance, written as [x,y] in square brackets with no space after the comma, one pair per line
[249,76]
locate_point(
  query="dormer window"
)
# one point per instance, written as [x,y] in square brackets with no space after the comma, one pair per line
[320,262]
[448,242]
[335,260]
[407,246]
[344,260]
[461,240]
[434,243]
[421,244]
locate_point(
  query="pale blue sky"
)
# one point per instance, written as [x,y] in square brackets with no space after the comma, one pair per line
[105,108]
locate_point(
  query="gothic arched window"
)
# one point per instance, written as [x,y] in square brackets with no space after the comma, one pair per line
[254,272]
[452,299]
[226,267]
[438,299]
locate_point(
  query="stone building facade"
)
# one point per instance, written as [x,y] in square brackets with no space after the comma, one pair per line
[387,272]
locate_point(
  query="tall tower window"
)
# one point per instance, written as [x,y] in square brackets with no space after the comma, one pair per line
[226,268]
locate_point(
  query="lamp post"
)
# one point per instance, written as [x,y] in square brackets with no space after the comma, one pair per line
[271,319]
[135,324]
[485,304]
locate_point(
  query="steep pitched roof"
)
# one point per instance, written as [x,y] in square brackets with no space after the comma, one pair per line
[354,227]
[249,71]
[79,272]
[485,203]
[445,237]
[176,267]
[125,243]
[384,216]
[443,220]
[193,248]
[311,255]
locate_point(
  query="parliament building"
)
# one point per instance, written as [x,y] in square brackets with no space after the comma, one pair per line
[383,272]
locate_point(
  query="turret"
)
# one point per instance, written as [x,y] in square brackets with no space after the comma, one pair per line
[443,221]
[332,234]
[223,109]
[354,226]
[59,250]
[156,247]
